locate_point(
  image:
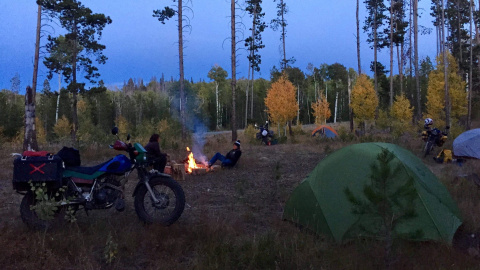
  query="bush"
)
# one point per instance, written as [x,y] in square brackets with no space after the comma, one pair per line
[62,128]
[345,135]
[383,121]
[250,134]
[298,130]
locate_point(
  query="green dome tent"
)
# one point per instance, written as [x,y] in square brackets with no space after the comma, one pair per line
[320,203]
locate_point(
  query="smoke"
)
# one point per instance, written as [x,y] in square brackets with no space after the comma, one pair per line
[199,133]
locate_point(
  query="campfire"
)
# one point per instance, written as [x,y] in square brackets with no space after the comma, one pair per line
[192,166]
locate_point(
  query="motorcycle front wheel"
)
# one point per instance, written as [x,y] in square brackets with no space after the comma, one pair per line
[166,207]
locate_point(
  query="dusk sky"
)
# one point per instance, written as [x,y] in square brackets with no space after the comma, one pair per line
[138,46]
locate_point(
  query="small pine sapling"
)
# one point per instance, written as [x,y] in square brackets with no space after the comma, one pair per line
[389,202]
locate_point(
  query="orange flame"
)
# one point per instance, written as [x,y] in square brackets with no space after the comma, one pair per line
[191,162]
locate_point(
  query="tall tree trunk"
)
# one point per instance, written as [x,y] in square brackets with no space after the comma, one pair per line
[283,38]
[182,74]
[58,96]
[400,67]
[358,40]
[410,44]
[460,54]
[417,78]
[250,65]
[470,76]
[375,51]
[234,79]
[350,111]
[30,135]
[30,139]
[445,70]
[298,98]
[217,105]
[391,53]
[246,95]
[75,89]
[253,82]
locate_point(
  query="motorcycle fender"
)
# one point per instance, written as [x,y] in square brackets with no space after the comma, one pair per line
[141,183]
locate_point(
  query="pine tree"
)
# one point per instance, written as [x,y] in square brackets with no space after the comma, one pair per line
[388,202]
[164,15]
[84,29]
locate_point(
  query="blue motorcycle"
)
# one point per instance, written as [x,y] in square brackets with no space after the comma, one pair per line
[157,197]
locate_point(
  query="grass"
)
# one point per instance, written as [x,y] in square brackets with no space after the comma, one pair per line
[233,220]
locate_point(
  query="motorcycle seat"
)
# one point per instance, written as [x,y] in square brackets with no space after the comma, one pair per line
[87,170]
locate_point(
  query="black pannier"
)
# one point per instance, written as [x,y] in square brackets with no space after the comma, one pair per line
[48,169]
[70,156]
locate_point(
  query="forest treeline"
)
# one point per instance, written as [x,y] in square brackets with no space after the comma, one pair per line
[226,102]
[143,107]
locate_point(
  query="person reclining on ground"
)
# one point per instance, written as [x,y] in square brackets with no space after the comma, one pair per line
[230,159]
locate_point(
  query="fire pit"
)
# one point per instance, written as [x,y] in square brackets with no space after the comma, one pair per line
[192,166]
[189,166]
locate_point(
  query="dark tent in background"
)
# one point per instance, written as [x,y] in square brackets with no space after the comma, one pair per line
[324,131]
[467,144]
[320,203]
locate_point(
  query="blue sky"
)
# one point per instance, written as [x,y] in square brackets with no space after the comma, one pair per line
[138,46]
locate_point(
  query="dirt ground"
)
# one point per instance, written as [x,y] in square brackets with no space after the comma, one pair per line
[228,212]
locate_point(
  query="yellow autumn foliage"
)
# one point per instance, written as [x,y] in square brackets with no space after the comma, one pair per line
[123,126]
[401,113]
[281,101]
[436,92]
[62,128]
[40,131]
[364,100]
[321,110]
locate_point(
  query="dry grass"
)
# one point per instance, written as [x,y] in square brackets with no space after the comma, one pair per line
[232,220]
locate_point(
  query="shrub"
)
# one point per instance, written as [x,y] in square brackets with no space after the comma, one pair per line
[62,128]
[298,130]
[345,135]
[250,134]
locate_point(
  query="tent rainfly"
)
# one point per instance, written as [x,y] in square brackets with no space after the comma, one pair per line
[320,203]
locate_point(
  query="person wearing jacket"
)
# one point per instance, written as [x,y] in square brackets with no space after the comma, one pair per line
[154,154]
[230,159]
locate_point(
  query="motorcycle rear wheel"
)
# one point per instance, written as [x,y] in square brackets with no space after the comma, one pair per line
[171,201]
[30,217]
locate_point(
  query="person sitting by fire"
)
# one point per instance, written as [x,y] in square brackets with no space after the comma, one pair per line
[230,159]
[158,159]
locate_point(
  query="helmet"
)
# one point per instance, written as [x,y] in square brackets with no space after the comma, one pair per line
[428,121]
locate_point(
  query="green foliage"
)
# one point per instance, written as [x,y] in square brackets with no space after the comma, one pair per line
[386,202]
[62,128]
[345,135]
[84,29]
[383,121]
[11,110]
[250,134]
[164,15]
[298,129]
[47,204]
[111,249]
